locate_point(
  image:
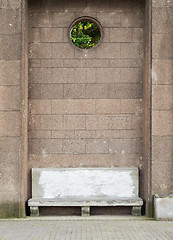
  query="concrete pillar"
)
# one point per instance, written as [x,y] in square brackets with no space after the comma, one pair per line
[156,173]
[162,97]
[13,107]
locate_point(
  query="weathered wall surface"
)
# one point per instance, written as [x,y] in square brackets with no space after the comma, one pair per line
[85,109]
[85,106]
[162,96]
[11,109]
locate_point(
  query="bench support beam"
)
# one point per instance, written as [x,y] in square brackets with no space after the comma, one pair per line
[85,211]
[136,211]
[34,211]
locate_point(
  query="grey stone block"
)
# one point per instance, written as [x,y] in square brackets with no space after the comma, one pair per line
[163,207]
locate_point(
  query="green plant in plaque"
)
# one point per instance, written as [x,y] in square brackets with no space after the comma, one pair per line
[85,34]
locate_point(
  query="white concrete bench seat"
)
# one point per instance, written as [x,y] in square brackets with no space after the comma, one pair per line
[85,187]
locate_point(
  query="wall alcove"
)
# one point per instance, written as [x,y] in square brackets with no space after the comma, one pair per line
[86,107]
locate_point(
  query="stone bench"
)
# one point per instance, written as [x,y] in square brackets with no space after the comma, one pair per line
[85,187]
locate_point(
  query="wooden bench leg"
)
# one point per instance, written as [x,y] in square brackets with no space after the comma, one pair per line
[136,211]
[34,211]
[85,211]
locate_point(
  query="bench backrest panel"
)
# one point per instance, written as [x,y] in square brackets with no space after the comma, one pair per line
[84,182]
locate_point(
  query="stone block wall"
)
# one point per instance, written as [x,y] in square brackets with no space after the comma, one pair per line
[95,108]
[85,107]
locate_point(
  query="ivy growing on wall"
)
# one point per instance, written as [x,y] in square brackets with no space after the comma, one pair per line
[85,34]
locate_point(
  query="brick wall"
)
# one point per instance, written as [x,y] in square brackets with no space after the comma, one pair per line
[85,107]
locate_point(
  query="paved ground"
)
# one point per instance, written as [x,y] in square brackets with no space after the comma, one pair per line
[92,228]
